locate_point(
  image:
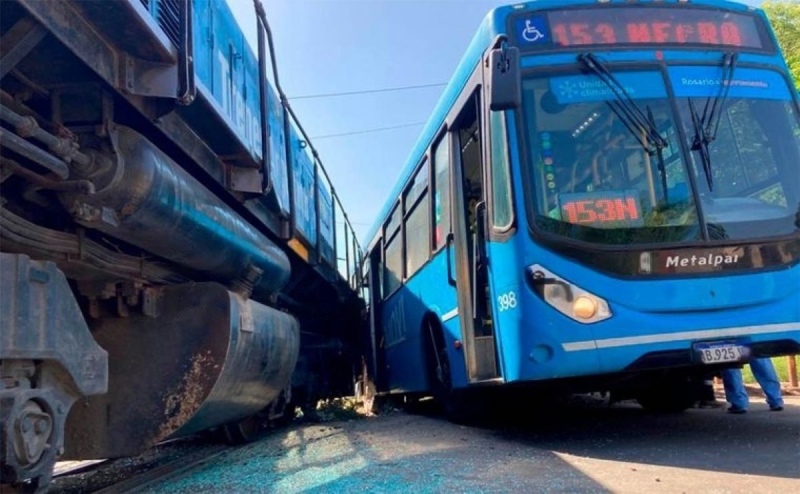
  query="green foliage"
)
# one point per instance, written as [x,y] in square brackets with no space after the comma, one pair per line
[781,368]
[347,408]
[785,18]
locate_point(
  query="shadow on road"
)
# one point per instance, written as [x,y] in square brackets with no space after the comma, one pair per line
[760,442]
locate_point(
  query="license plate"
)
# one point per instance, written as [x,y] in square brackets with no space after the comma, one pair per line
[713,353]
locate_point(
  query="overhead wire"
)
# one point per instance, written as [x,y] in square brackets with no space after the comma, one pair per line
[366,91]
[367,131]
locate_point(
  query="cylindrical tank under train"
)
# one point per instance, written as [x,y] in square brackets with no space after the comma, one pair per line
[207,357]
[147,200]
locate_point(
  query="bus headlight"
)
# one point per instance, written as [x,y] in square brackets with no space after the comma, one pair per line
[584,307]
[567,298]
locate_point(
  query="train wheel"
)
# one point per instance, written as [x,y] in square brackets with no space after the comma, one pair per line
[244,431]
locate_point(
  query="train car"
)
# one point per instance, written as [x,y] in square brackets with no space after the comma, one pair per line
[606,198]
[173,255]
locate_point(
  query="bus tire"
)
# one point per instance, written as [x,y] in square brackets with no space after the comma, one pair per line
[436,360]
[454,403]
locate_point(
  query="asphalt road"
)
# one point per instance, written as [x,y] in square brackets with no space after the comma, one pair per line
[575,449]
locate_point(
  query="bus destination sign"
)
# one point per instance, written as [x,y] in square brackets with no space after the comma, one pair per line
[607,209]
[626,26]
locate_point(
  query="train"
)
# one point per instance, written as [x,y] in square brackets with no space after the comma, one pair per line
[173,255]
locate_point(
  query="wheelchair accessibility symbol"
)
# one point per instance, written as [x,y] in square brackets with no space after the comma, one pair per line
[531,33]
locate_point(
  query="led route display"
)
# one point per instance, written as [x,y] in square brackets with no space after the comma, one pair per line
[640,25]
[606,209]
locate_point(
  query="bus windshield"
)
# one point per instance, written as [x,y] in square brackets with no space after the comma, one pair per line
[600,176]
[749,180]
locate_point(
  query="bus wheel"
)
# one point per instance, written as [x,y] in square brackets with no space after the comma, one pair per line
[454,403]
[667,396]
[438,364]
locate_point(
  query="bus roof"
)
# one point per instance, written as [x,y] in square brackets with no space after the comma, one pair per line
[494,23]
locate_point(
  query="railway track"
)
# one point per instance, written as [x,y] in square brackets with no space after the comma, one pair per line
[171,470]
[167,461]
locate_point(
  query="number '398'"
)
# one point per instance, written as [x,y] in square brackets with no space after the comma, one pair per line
[507,301]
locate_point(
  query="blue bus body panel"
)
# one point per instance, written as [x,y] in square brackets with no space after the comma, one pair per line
[646,313]
[645,317]
[404,334]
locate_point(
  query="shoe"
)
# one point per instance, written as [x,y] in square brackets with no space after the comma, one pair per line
[778,408]
[737,410]
[710,404]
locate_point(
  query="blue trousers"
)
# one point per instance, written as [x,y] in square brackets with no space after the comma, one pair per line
[764,372]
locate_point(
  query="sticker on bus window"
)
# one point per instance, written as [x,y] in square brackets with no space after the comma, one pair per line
[704,82]
[589,88]
[533,30]
[602,209]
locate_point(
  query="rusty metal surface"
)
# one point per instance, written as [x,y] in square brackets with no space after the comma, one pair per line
[17,42]
[48,359]
[261,357]
[63,22]
[40,319]
[119,40]
[208,358]
[34,153]
[78,258]
[131,28]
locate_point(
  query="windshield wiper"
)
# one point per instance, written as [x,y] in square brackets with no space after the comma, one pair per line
[706,126]
[625,108]
[662,168]
[700,144]
[631,115]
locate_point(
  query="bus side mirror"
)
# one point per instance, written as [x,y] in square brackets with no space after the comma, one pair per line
[502,76]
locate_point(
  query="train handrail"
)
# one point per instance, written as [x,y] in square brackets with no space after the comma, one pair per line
[263,27]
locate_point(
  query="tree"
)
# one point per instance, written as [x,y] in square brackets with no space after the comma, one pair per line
[785,18]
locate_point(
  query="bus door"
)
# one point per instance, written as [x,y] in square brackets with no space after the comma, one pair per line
[376,364]
[469,239]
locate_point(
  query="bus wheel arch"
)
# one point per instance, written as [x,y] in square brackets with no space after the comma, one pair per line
[437,363]
[454,402]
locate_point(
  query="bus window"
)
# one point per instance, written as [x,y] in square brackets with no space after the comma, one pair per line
[441,191]
[394,221]
[749,180]
[501,183]
[417,231]
[598,178]
[380,269]
[470,140]
[393,272]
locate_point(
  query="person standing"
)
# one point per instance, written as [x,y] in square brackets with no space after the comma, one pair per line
[764,372]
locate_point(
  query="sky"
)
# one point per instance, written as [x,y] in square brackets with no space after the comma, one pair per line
[335,46]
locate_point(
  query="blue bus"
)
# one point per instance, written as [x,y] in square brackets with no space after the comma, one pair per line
[606,198]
